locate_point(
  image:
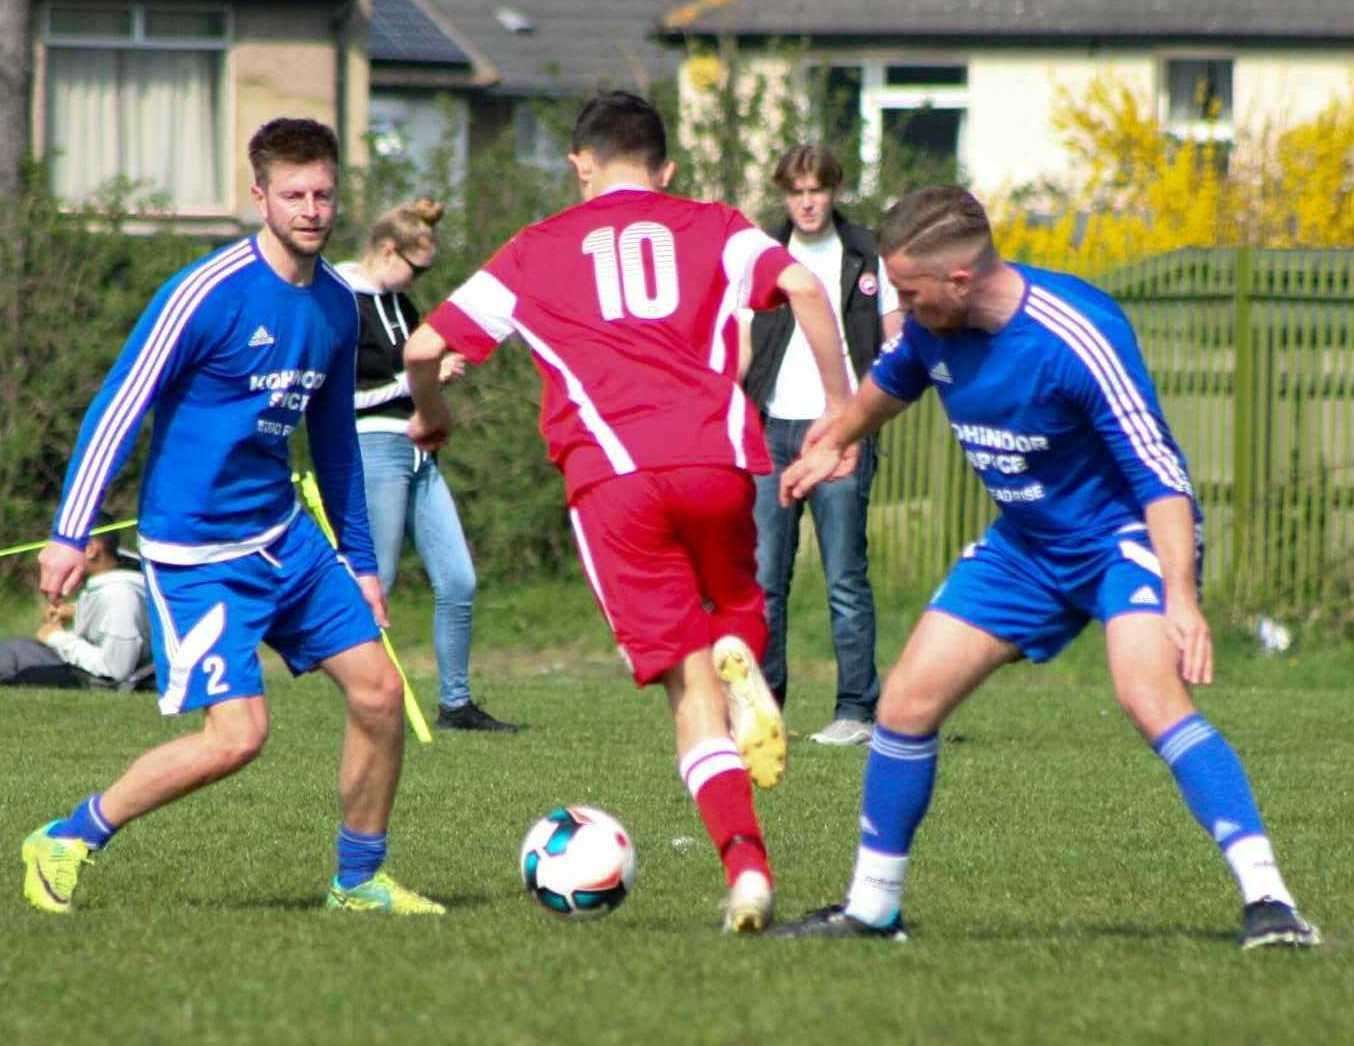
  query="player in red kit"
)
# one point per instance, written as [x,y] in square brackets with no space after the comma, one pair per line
[627,302]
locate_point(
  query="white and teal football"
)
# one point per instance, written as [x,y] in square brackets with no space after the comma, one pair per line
[578,862]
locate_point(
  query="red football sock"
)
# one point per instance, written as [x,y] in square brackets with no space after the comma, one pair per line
[718,782]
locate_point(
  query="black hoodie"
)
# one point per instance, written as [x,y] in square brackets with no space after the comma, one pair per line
[388,318]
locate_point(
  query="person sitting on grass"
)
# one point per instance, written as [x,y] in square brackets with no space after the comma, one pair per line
[108,643]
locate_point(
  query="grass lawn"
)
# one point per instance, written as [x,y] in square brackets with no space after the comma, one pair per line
[1060,891]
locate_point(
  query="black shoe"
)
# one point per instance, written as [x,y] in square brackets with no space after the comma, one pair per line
[833,921]
[471,716]
[1269,922]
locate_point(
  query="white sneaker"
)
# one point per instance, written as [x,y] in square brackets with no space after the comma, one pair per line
[758,729]
[844,732]
[748,906]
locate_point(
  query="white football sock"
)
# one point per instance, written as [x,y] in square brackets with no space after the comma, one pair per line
[1257,873]
[877,886]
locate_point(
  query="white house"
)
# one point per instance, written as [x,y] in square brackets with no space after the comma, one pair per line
[977,81]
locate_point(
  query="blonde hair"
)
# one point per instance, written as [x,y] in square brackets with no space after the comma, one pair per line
[934,219]
[408,225]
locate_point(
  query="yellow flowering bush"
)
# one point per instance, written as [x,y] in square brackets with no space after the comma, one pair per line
[1139,191]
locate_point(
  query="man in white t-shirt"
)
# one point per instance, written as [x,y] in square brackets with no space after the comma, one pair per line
[783,382]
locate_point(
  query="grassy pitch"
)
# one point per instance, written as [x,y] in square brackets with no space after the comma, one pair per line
[1060,891]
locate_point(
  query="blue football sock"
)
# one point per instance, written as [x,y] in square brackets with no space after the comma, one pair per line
[360,856]
[899,774]
[1211,780]
[85,822]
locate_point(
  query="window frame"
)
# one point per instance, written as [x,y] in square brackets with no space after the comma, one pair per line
[1221,131]
[47,40]
[139,40]
[877,95]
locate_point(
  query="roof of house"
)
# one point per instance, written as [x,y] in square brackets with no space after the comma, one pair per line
[999,20]
[562,46]
[401,31]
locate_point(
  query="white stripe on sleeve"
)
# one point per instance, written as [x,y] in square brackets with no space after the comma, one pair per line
[1115,383]
[741,252]
[130,401]
[487,301]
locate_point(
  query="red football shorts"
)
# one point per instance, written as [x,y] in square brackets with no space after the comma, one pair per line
[671,555]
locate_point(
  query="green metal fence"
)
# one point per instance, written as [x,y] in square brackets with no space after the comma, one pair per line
[1253,355]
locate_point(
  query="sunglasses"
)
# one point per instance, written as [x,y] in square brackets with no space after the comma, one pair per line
[414,267]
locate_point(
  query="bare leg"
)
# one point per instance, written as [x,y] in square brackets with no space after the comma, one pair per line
[1144,665]
[232,734]
[373,739]
[717,779]
[1212,781]
[944,661]
[696,697]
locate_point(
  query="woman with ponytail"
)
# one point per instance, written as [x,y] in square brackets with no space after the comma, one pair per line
[406,493]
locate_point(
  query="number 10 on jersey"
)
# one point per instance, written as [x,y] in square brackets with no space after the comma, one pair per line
[618,268]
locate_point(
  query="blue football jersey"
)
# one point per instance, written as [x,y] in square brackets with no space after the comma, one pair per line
[1056,412]
[231,358]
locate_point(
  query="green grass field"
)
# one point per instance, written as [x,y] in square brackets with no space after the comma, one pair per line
[1060,892]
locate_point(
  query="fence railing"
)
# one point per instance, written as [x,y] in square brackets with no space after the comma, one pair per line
[1253,356]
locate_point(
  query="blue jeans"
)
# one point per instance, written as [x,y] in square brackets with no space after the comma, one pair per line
[839,517]
[406,494]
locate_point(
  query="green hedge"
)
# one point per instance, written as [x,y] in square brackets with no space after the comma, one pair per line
[72,285]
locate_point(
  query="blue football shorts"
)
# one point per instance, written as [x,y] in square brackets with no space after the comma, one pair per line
[208,619]
[1041,599]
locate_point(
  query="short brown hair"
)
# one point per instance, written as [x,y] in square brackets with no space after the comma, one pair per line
[288,139]
[621,124]
[936,218]
[408,226]
[807,160]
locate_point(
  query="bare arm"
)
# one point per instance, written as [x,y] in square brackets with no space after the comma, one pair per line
[1170,525]
[431,422]
[891,323]
[813,312]
[865,414]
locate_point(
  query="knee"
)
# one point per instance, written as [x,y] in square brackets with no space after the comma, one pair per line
[239,748]
[455,587]
[1154,709]
[379,698]
[907,710]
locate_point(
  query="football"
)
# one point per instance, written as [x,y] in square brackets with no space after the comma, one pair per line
[578,862]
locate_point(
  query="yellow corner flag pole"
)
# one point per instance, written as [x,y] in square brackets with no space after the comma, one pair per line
[310,495]
[33,546]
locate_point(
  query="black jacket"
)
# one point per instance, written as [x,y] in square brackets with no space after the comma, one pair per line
[387,319]
[771,330]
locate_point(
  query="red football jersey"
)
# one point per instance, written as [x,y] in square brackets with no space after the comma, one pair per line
[628,305]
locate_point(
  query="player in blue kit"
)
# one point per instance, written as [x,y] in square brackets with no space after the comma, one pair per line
[1047,392]
[232,353]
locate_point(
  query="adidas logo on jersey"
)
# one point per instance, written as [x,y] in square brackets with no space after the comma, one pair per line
[260,337]
[1144,597]
[940,372]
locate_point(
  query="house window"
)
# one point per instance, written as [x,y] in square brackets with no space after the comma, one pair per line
[428,134]
[907,117]
[137,91]
[537,141]
[1197,98]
